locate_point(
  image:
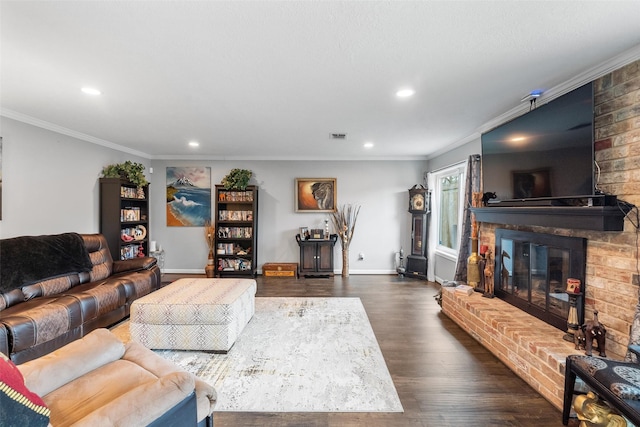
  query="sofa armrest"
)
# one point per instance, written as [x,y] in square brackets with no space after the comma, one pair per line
[206,394]
[4,340]
[133,264]
[145,403]
[50,372]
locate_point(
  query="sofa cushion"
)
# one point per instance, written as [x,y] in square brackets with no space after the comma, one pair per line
[72,361]
[102,265]
[50,287]
[10,298]
[31,259]
[205,393]
[99,298]
[41,320]
[18,405]
[136,405]
[100,256]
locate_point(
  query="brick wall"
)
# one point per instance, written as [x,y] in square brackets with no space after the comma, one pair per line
[533,349]
[612,257]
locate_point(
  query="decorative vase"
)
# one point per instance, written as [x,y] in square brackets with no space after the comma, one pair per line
[209,271]
[473,265]
[345,262]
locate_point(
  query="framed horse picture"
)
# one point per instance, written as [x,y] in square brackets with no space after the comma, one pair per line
[315,194]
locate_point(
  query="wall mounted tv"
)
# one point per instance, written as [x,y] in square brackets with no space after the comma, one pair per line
[543,155]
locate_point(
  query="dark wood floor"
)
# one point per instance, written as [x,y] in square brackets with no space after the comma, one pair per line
[442,375]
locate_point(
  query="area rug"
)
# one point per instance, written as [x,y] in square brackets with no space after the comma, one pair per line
[299,355]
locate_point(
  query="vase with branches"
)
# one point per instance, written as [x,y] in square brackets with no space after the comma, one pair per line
[344,222]
[210,238]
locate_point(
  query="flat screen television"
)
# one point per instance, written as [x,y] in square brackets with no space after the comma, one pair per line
[545,154]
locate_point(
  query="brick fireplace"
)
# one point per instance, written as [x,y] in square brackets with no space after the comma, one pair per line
[532,348]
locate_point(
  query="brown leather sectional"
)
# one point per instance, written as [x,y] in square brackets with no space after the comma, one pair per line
[41,314]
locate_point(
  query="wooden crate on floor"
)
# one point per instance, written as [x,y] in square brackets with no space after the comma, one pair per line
[280,269]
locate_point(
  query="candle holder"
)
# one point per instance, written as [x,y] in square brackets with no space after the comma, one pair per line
[575,313]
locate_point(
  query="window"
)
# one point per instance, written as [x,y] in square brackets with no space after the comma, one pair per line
[447,209]
[449,205]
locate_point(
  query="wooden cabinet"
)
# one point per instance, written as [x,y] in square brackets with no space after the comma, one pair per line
[236,243]
[124,217]
[316,256]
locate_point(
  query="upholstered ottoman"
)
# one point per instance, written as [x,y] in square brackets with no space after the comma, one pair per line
[194,314]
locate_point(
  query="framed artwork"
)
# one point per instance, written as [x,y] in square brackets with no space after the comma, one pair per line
[315,194]
[188,196]
[532,183]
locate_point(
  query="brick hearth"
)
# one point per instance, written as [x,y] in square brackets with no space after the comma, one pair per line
[531,348]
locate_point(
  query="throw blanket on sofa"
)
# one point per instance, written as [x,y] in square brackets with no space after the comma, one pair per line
[29,259]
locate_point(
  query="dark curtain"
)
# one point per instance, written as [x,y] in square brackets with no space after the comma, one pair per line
[472,184]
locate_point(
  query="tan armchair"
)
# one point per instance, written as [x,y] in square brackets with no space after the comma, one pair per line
[98,380]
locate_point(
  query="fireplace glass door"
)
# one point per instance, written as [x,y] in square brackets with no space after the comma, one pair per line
[532,271]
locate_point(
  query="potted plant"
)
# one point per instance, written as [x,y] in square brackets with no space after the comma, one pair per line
[237,179]
[131,171]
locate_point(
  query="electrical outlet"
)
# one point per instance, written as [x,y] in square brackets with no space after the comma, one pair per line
[360,256]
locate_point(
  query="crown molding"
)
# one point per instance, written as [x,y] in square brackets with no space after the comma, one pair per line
[69,132]
[581,79]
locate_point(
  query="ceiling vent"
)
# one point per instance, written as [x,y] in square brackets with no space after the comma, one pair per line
[338,136]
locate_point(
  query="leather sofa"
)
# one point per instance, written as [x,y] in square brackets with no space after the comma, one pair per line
[100,381]
[55,289]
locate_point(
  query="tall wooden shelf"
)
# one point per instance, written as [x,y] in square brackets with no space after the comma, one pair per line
[124,210]
[236,245]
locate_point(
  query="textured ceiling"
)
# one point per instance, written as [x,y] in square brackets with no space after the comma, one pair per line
[272,80]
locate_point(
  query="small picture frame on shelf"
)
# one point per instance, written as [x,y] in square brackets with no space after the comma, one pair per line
[304,233]
[317,233]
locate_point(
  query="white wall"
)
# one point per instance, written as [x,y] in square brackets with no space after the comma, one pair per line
[50,181]
[50,185]
[380,187]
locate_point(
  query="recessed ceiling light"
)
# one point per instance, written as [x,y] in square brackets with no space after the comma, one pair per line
[194,144]
[91,91]
[368,145]
[405,93]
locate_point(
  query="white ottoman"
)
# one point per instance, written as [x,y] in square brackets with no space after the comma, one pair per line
[194,314]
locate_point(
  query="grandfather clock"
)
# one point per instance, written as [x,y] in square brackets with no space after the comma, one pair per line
[419,209]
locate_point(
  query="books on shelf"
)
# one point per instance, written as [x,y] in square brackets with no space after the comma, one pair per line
[131,193]
[464,289]
[235,196]
[233,264]
[234,232]
[129,251]
[225,215]
[231,249]
[130,214]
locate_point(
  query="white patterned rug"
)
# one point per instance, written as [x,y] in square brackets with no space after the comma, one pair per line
[299,355]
